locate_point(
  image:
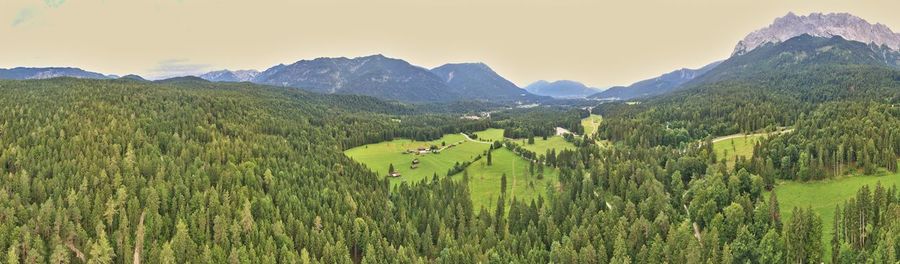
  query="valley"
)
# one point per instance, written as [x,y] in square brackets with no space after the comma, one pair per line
[454,154]
[783,147]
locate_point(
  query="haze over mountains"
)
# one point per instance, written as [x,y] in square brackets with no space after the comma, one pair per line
[561,89]
[659,85]
[837,38]
[230,76]
[26,73]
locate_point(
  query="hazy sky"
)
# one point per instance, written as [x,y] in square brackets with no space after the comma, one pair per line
[600,43]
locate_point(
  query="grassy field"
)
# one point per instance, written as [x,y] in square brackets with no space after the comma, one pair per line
[484,180]
[492,134]
[735,146]
[380,155]
[822,196]
[590,124]
[541,146]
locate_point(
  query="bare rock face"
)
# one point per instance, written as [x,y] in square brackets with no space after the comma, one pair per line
[829,25]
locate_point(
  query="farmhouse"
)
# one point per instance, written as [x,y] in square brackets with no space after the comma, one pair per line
[394,174]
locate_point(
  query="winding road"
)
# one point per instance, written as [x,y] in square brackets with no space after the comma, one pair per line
[476,141]
[751,135]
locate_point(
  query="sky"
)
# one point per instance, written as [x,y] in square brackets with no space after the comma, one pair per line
[599,43]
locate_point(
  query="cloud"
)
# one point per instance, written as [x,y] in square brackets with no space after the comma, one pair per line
[54,3]
[177,67]
[23,16]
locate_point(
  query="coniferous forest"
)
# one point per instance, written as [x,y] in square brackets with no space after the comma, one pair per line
[785,150]
[114,171]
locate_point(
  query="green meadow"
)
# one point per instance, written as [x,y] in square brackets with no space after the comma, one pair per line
[731,147]
[541,146]
[492,134]
[822,196]
[379,156]
[484,180]
[590,124]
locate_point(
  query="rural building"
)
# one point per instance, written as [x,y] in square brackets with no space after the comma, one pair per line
[394,174]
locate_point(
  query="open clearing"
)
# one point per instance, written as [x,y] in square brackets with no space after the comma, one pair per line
[731,147]
[590,124]
[379,156]
[492,134]
[541,146]
[822,196]
[484,181]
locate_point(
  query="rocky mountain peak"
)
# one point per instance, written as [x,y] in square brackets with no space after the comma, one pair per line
[845,25]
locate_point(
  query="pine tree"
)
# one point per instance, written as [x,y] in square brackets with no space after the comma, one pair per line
[503,183]
[101,251]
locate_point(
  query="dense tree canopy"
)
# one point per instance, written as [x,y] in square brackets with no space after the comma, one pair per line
[187,172]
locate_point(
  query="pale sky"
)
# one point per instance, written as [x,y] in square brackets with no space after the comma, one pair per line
[600,43]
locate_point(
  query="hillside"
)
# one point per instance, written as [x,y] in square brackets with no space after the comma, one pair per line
[772,85]
[375,75]
[477,81]
[655,86]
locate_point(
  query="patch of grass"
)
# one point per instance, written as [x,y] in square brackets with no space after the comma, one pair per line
[740,146]
[484,180]
[379,156]
[541,146]
[822,196]
[492,134]
[590,124]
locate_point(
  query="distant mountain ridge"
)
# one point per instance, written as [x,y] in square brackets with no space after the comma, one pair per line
[800,53]
[820,25]
[374,75]
[561,89]
[386,78]
[28,73]
[655,86]
[477,81]
[230,76]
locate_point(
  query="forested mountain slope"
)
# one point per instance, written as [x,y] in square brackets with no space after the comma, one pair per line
[767,87]
[375,75]
[659,85]
[477,81]
[190,171]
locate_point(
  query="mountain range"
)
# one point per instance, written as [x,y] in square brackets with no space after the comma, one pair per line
[386,78]
[835,38]
[844,25]
[561,89]
[814,39]
[655,86]
[26,73]
[477,81]
[230,76]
